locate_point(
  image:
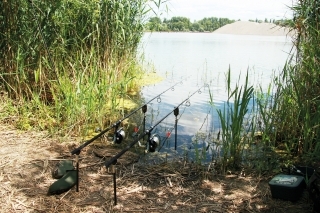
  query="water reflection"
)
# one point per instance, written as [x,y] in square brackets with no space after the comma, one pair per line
[205,58]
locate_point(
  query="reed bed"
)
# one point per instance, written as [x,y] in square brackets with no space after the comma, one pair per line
[296,115]
[69,63]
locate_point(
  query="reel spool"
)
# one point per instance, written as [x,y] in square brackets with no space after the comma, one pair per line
[119,135]
[154,142]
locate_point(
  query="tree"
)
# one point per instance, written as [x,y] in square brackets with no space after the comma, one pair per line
[179,24]
[154,24]
[213,23]
[196,27]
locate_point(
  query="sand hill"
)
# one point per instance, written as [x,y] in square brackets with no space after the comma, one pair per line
[253,28]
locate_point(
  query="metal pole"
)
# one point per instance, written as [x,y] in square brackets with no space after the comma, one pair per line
[77,172]
[113,170]
[175,135]
[176,113]
[144,110]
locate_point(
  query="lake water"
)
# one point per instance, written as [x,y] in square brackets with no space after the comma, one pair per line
[203,58]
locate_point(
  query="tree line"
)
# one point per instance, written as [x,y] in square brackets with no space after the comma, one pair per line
[183,24]
[280,22]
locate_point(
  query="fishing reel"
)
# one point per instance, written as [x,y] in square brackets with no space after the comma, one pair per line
[153,143]
[119,135]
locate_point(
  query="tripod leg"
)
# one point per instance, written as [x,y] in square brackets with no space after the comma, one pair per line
[77,168]
[113,170]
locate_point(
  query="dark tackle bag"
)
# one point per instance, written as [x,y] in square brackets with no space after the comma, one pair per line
[314,190]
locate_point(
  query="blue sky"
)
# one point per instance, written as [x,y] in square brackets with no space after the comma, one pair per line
[232,9]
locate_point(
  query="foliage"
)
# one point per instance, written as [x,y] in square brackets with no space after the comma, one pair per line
[178,23]
[211,24]
[182,24]
[232,120]
[280,22]
[246,137]
[73,58]
[155,24]
[297,114]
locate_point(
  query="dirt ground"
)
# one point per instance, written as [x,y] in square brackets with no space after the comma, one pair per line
[28,158]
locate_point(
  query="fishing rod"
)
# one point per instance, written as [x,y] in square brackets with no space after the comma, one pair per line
[153,142]
[119,134]
[147,132]
[116,124]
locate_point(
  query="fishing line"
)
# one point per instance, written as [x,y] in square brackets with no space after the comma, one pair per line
[206,118]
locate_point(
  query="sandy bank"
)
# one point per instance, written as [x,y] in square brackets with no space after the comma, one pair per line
[253,28]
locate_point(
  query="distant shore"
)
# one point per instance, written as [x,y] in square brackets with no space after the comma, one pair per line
[254,28]
[245,28]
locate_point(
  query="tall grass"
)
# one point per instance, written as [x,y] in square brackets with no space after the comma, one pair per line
[298,88]
[246,138]
[232,118]
[75,58]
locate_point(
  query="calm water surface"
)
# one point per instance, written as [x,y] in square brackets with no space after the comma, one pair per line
[204,58]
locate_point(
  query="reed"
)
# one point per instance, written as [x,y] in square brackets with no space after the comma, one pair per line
[75,58]
[199,153]
[232,119]
[297,112]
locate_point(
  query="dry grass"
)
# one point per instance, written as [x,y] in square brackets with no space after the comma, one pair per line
[27,159]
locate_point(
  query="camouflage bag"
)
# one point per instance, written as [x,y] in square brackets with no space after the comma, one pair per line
[62,168]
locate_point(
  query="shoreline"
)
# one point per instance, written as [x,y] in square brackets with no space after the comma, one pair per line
[228,34]
[244,28]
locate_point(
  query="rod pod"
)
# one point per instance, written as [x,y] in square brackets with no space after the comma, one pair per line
[120,134]
[113,160]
